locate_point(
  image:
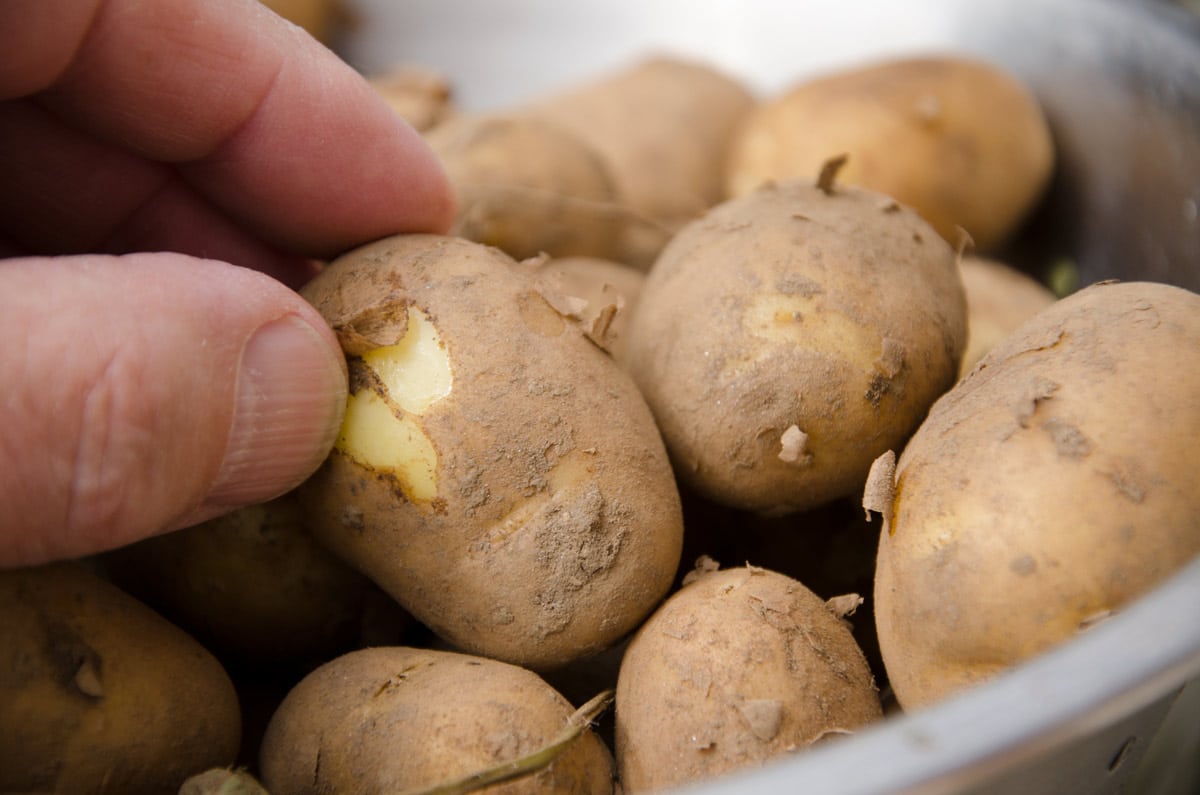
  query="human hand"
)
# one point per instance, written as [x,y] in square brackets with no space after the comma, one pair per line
[144,392]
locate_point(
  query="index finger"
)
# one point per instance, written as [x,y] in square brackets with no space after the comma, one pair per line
[268,124]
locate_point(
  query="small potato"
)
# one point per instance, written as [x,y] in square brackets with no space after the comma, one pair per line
[999,299]
[1051,486]
[737,668]
[394,719]
[529,186]
[959,140]
[601,293]
[791,336]
[100,694]
[497,473]
[252,585]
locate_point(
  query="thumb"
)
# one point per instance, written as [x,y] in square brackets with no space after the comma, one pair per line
[144,393]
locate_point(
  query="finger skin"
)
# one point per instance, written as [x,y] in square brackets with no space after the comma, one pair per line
[259,118]
[120,383]
[116,203]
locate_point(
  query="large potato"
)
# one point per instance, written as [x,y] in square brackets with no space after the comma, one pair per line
[394,719]
[737,668]
[959,140]
[100,694]
[497,473]
[1055,483]
[791,336]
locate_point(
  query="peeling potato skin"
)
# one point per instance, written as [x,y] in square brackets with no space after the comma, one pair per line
[100,694]
[557,526]
[1055,483]
[398,719]
[739,667]
[877,332]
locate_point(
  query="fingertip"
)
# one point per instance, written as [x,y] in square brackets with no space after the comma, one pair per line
[288,406]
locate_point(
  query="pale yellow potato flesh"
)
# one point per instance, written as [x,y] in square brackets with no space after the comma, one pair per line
[384,432]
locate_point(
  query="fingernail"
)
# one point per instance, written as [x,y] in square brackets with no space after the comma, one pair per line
[290,398]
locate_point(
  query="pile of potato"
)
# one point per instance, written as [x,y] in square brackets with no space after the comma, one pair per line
[694,411]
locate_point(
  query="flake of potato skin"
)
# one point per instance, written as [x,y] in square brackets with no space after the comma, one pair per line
[891,359]
[793,447]
[844,605]
[87,679]
[571,307]
[600,331]
[764,716]
[1040,391]
[704,565]
[880,491]
[1099,617]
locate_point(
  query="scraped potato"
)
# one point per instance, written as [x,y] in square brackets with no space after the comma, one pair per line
[100,694]
[497,473]
[960,140]
[1051,486]
[737,668]
[999,299]
[395,719]
[791,336]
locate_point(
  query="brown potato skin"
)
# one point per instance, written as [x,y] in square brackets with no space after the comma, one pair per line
[557,526]
[1052,485]
[960,140]
[100,694]
[867,331]
[737,668]
[396,719]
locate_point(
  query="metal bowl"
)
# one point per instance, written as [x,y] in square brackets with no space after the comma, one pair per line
[1112,710]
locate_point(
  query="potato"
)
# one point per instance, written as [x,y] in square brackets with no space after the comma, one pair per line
[663,126]
[960,140]
[529,186]
[497,473]
[999,299]
[100,694]
[737,668]
[1051,486]
[252,585]
[396,719]
[419,95]
[790,337]
[601,293]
